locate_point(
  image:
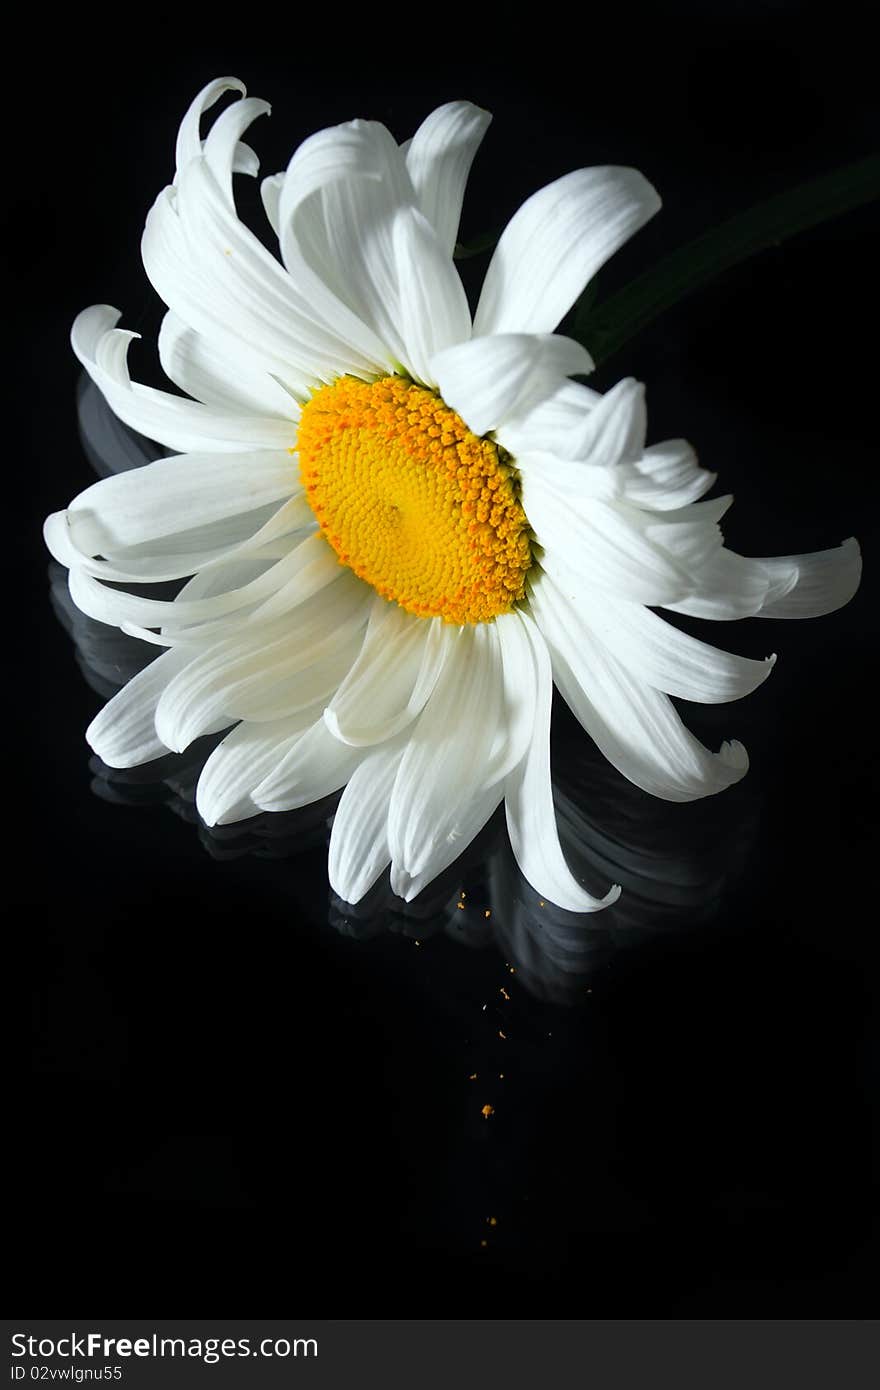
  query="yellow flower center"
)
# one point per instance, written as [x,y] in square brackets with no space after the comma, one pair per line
[412,501]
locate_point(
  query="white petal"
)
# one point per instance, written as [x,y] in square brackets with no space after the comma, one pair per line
[486,379]
[266,700]
[826,580]
[340,196]
[208,373]
[553,425]
[555,243]
[307,690]
[171,557]
[242,569]
[228,575]
[359,850]
[520,693]
[434,310]
[446,763]
[222,150]
[586,541]
[636,727]
[228,531]
[733,586]
[320,567]
[255,298]
[189,140]
[568,478]
[181,424]
[472,816]
[124,732]
[439,158]
[119,608]
[252,660]
[193,291]
[690,534]
[240,762]
[176,494]
[667,476]
[528,799]
[214,274]
[665,658]
[612,432]
[245,161]
[596,457]
[270,192]
[392,679]
[316,765]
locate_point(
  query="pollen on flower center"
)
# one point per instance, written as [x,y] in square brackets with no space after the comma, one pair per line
[412,501]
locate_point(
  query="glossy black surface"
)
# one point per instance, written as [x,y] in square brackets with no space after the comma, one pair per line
[236,1094]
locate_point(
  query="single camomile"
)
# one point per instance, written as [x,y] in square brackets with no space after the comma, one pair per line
[399,524]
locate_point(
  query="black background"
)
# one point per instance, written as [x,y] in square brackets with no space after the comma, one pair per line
[227,1105]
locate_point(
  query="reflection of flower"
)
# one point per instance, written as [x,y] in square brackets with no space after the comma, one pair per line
[463,519]
[674,865]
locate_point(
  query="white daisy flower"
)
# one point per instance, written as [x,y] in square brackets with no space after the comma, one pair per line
[398,524]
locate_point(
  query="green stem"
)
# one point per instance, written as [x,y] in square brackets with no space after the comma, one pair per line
[605,328]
